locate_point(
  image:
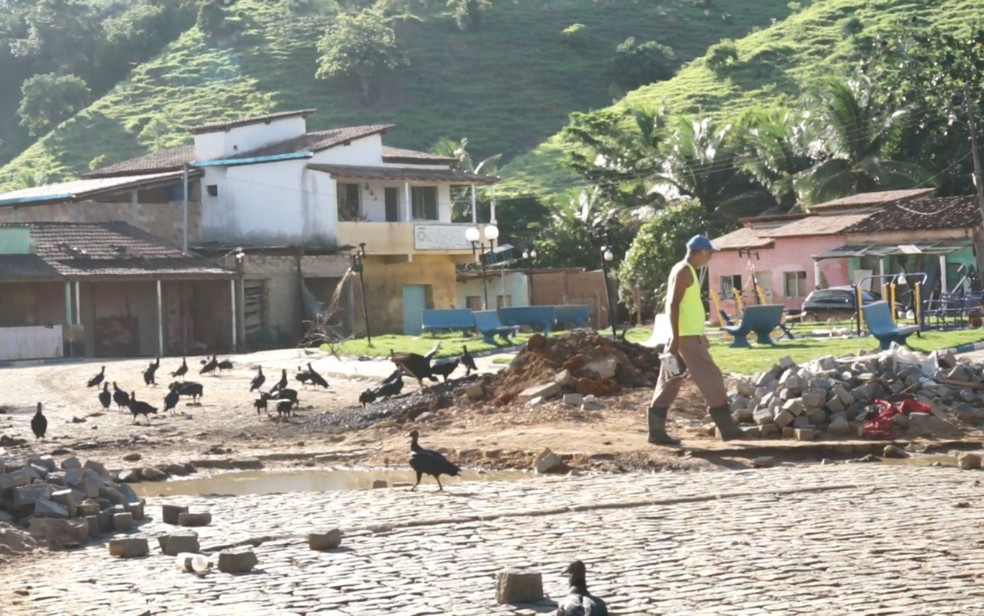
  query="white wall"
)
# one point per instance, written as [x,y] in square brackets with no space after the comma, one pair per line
[363,151]
[241,139]
[515,284]
[270,203]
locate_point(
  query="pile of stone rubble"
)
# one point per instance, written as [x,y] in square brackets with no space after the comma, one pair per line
[835,396]
[63,504]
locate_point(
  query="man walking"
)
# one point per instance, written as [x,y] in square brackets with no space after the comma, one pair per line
[688,343]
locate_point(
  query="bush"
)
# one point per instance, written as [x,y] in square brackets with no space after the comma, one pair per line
[637,64]
[721,56]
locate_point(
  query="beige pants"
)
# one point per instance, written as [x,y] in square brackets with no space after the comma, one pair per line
[705,373]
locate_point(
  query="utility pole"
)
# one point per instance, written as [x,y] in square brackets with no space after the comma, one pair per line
[978,175]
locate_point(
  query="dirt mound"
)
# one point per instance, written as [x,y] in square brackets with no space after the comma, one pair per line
[597,366]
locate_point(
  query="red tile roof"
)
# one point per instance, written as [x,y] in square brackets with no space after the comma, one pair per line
[928,213]
[816,225]
[883,197]
[399,155]
[316,141]
[222,126]
[404,173]
[168,159]
[741,238]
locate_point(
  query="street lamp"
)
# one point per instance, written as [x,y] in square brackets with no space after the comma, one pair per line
[530,255]
[474,235]
[357,267]
[607,257]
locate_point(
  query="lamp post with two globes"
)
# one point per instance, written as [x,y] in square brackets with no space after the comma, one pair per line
[479,250]
[530,255]
[607,256]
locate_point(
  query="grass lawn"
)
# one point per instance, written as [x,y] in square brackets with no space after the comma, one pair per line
[802,349]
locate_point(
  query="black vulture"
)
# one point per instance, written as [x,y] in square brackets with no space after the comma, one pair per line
[97,379]
[287,394]
[120,397]
[316,378]
[261,403]
[39,423]
[188,388]
[258,380]
[427,461]
[281,383]
[209,366]
[303,376]
[416,365]
[225,364]
[139,407]
[579,602]
[151,370]
[170,400]
[283,408]
[182,369]
[390,388]
[105,397]
[445,367]
[468,361]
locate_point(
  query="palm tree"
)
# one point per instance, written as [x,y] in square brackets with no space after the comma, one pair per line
[774,150]
[853,146]
[458,150]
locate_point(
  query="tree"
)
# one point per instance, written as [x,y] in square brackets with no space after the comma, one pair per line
[721,55]
[49,99]
[458,150]
[467,14]
[637,64]
[774,149]
[358,44]
[855,130]
[655,249]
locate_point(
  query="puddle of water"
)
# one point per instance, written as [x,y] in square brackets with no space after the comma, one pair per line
[275,482]
[928,460]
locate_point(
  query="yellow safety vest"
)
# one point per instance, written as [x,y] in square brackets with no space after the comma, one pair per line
[692,315]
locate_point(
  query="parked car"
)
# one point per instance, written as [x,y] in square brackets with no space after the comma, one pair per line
[838,303]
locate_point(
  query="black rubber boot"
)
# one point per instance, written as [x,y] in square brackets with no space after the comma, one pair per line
[657,427]
[725,424]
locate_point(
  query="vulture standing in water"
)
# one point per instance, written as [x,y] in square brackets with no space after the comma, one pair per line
[430,462]
[579,602]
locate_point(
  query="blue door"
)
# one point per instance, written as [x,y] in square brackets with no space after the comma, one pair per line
[414,302]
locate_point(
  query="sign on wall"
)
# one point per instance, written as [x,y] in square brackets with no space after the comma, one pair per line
[440,237]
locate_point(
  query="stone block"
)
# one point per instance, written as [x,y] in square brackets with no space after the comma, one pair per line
[764,462]
[237,561]
[88,507]
[122,521]
[47,463]
[784,418]
[926,424]
[751,432]
[325,541]
[97,467]
[836,405]
[969,461]
[194,519]
[805,434]
[564,378]
[745,388]
[893,451]
[172,545]
[88,487]
[136,509]
[170,513]
[802,422]
[71,462]
[548,462]
[129,494]
[763,416]
[111,494]
[129,475]
[93,522]
[839,426]
[15,479]
[813,397]
[56,478]
[846,397]
[591,405]
[513,586]
[787,362]
[26,495]
[794,406]
[573,399]
[105,518]
[67,499]
[603,368]
[129,547]
[770,430]
[746,415]
[152,473]
[59,533]
[544,390]
[50,509]
[379,483]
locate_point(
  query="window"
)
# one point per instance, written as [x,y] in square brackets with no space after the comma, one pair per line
[503,301]
[424,202]
[795,284]
[473,302]
[729,284]
[348,201]
[254,306]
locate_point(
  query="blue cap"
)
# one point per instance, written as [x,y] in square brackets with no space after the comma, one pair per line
[700,242]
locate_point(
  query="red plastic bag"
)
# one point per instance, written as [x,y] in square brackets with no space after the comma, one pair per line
[881,426]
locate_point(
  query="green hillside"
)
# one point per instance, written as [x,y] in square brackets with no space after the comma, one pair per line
[776,64]
[507,86]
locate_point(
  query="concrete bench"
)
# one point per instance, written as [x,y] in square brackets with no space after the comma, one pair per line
[759,319]
[878,317]
[537,317]
[488,324]
[578,315]
[433,319]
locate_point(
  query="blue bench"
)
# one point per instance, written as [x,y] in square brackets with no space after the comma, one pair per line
[434,319]
[878,317]
[488,324]
[578,315]
[538,317]
[759,319]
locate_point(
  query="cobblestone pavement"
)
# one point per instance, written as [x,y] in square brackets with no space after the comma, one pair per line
[821,539]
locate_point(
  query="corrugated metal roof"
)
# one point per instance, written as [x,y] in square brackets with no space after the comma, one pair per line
[745,237]
[168,159]
[928,213]
[816,225]
[26,268]
[80,189]
[403,173]
[226,125]
[883,197]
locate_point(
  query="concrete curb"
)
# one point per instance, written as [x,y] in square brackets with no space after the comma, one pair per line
[966,348]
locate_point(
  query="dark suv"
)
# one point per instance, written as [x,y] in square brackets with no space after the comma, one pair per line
[837,303]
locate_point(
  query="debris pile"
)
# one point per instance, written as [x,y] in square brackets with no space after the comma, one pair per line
[583,363]
[63,505]
[836,396]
